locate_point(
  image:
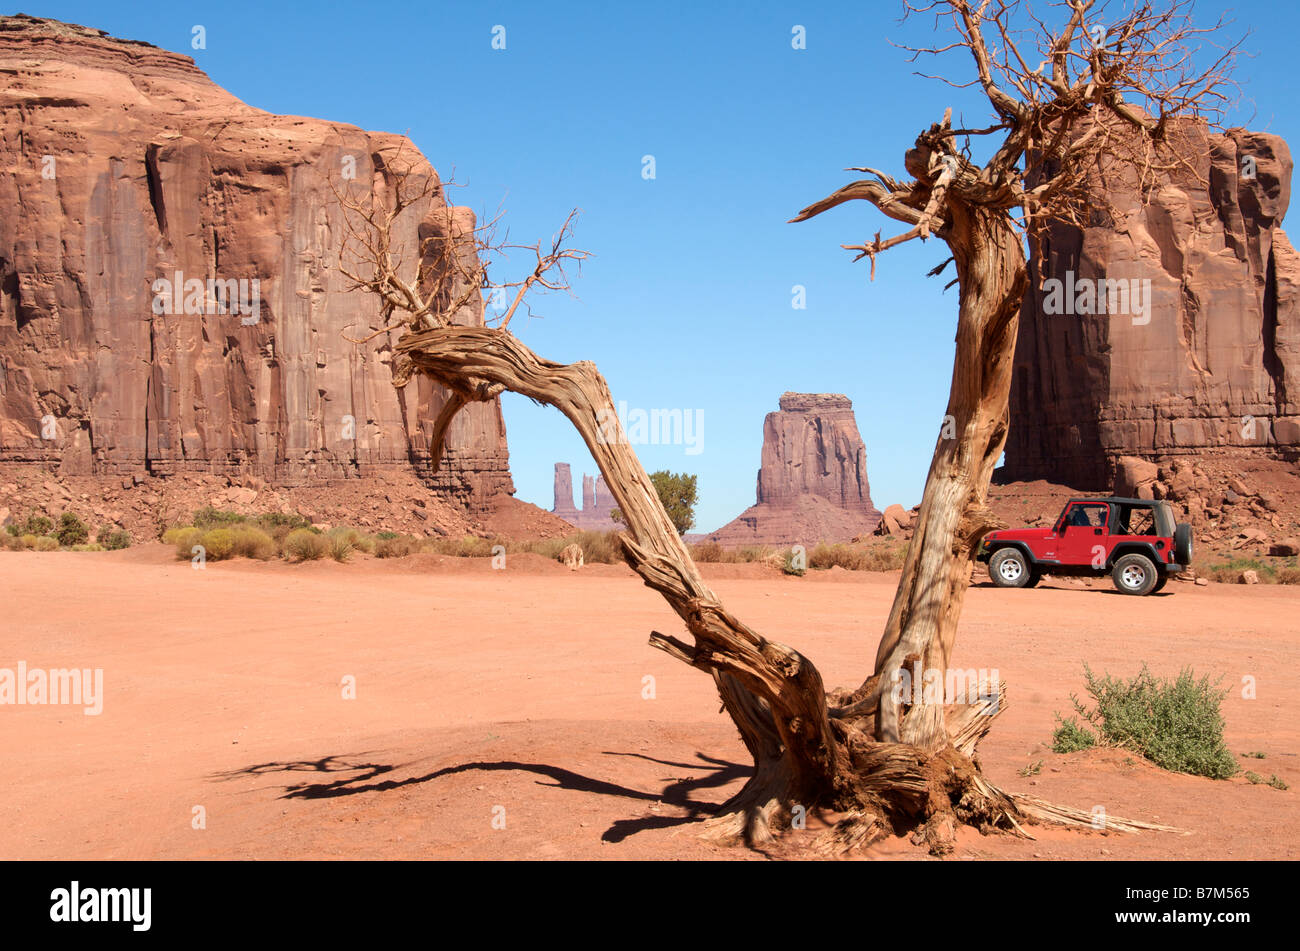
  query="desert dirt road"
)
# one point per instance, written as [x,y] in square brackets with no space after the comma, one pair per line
[508,714]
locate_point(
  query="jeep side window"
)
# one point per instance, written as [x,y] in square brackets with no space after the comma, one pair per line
[1141,522]
[1087,516]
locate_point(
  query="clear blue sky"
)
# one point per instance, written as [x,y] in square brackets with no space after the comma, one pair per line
[687,302]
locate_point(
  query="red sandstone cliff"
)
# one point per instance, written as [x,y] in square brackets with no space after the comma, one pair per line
[812,484]
[125,164]
[1214,366]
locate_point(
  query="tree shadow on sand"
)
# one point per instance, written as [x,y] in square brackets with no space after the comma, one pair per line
[364,777]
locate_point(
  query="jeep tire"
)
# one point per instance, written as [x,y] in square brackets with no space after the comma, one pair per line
[1008,568]
[1134,574]
[1162,579]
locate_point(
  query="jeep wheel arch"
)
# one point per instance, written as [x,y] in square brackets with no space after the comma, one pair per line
[1145,549]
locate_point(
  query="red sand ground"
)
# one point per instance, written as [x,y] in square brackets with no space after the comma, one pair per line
[523,689]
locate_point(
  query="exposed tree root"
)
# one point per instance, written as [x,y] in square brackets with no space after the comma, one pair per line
[897,788]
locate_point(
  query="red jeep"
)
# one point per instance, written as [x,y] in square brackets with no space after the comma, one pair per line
[1136,541]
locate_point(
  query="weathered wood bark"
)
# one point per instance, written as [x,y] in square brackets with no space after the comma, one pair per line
[953,518]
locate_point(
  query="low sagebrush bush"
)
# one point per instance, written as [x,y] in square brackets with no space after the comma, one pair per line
[218,543]
[707,552]
[825,556]
[1177,724]
[42,542]
[399,546]
[347,540]
[599,547]
[279,524]
[304,544]
[341,542]
[251,542]
[546,547]
[184,537]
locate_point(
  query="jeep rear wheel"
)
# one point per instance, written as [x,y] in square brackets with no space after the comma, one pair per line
[1008,568]
[1134,574]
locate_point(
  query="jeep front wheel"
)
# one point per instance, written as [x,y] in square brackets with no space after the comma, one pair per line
[1134,574]
[1008,568]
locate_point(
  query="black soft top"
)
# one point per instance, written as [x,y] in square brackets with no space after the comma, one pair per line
[1161,512]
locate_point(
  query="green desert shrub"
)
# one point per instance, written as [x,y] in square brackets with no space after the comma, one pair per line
[113,539]
[210,517]
[32,525]
[71,530]
[1069,737]
[1177,724]
[42,542]
[303,544]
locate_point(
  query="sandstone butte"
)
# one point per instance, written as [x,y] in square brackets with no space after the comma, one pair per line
[1212,367]
[125,164]
[597,501]
[812,483]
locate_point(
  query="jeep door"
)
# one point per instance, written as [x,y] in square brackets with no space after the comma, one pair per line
[1084,535]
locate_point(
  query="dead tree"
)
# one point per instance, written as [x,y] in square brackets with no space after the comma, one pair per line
[875,762]
[1105,98]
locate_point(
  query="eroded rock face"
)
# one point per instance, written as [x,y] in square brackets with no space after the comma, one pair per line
[1213,364]
[812,485]
[597,501]
[128,165]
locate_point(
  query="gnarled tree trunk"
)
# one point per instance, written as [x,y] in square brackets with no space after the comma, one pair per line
[922,624]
